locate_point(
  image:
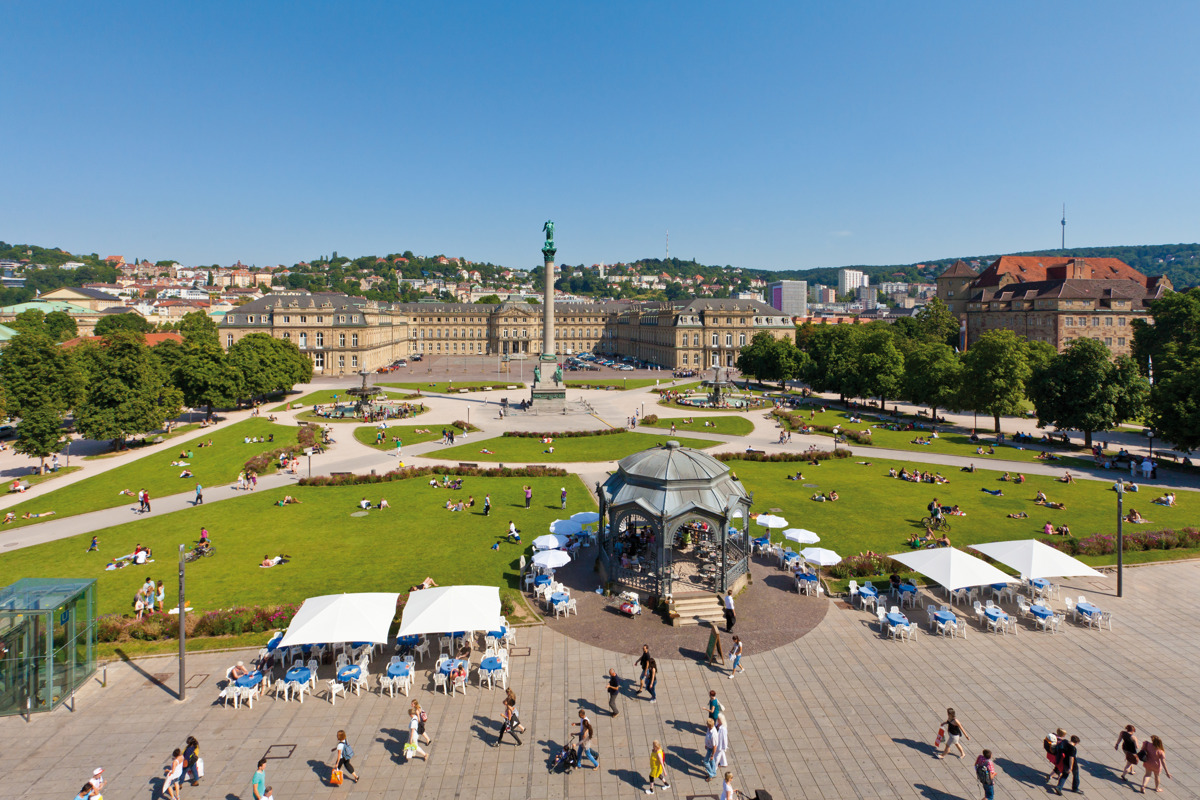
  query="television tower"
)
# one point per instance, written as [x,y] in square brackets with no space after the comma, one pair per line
[1064,227]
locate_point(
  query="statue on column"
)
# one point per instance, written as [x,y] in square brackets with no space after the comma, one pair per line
[548,248]
[558,378]
[537,375]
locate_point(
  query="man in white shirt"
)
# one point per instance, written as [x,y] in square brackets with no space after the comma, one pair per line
[730,616]
[722,730]
[98,779]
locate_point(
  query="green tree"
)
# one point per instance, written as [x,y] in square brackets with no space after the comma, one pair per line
[935,322]
[40,433]
[31,320]
[207,378]
[995,370]
[771,359]
[490,299]
[196,326]
[127,394]
[61,326]
[129,321]
[880,366]
[933,376]
[1172,346]
[832,352]
[268,364]
[1084,389]
[36,372]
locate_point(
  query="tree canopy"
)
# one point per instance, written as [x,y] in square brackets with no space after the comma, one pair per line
[1172,345]
[129,321]
[995,370]
[268,364]
[127,392]
[771,359]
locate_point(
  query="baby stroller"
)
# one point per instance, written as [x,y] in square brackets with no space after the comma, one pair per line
[630,605]
[566,760]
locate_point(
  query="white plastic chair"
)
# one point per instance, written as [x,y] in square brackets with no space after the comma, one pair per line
[996,624]
[299,689]
[882,616]
[437,665]
[395,660]
[571,608]
[1105,618]
[1022,605]
[868,600]
[225,694]
[422,649]
[894,610]
[1048,623]
[1070,605]
[908,631]
[946,627]
[342,661]
[560,609]
[279,688]
[439,679]
[908,597]
[386,683]
[335,688]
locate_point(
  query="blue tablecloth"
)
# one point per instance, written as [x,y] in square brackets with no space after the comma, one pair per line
[907,588]
[457,634]
[349,673]
[896,619]
[999,587]
[994,614]
[500,634]
[1087,608]
[790,556]
[398,670]
[763,540]
[490,664]
[408,641]
[1040,583]
[541,580]
[299,675]
[450,665]
[275,640]
[944,617]
[805,576]
[559,597]
[252,679]
[868,591]
[1041,612]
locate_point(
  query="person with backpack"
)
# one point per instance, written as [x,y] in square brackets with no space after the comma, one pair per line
[341,762]
[412,747]
[985,773]
[191,761]
[1127,743]
[422,718]
[1068,765]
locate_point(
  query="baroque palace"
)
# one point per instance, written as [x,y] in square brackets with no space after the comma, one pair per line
[343,334]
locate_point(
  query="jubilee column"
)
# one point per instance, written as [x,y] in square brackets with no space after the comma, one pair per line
[548,394]
[548,251]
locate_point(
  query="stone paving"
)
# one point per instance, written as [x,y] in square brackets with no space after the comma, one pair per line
[839,713]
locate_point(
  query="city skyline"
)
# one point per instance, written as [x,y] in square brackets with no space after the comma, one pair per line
[793,138]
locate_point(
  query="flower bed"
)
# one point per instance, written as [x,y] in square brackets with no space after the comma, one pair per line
[1103,544]
[863,566]
[305,437]
[223,622]
[418,472]
[561,434]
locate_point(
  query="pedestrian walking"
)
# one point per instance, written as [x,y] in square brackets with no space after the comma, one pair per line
[412,747]
[1155,759]
[258,784]
[422,719]
[87,792]
[652,679]
[528,495]
[199,495]
[97,780]
[146,496]
[730,615]
[241,482]
[172,775]
[736,654]
[487,505]
[658,768]
[191,761]
[721,757]
[511,721]
[562,496]
[710,750]
[728,792]
[714,705]
[253,480]
[586,735]
[985,773]
[643,662]
[1127,743]
[343,752]
[954,731]
[614,689]
[1068,765]
[94,547]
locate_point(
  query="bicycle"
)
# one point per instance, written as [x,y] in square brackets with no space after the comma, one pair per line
[198,552]
[936,523]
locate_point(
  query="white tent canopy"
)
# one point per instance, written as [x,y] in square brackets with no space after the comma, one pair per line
[801,536]
[451,608]
[551,559]
[363,617]
[1035,559]
[586,517]
[952,568]
[771,521]
[549,541]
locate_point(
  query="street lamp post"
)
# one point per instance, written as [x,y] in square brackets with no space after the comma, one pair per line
[182,629]
[1120,538]
[1150,436]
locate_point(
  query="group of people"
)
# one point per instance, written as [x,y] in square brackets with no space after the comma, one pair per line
[149,595]
[918,476]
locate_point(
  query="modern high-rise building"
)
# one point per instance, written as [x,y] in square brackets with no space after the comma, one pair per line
[814,292]
[850,279]
[868,296]
[790,297]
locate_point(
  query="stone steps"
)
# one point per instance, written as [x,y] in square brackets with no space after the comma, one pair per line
[695,608]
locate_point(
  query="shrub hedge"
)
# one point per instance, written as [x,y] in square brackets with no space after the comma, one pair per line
[418,472]
[819,455]
[562,434]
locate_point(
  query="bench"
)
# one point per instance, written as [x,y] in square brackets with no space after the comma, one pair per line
[466,465]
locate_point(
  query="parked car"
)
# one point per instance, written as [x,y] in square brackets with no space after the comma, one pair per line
[418,357]
[7,430]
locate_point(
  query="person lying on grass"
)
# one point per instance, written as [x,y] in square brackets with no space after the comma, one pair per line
[428,583]
[287,500]
[274,562]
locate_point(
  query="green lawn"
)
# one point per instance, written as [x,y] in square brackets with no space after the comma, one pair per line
[322,397]
[211,466]
[34,480]
[331,550]
[730,426]
[879,513]
[148,440]
[442,387]
[614,381]
[407,433]
[522,450]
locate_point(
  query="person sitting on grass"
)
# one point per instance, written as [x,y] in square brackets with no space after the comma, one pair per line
[892,472]
[287,500]
[956,511]
[916,542]
[833,496]
[383,503]
[9,517]
[364,503]
[1041,498]
[971,468]
[1048,529]
[187,473]
[1006,477]
[1067,477]
[1018,515]
[1019,479]
[1167,499]
[1063,530]
[944,541]
[1136,518]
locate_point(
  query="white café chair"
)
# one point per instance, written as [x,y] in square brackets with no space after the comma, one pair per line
[881,615]
[312,670]
[571,608]
[299,689]
[979,615]
[869,600]
[946,627]
[1050,623]
[908,597]
[894,610]
[908,631]
[359,684]
[335,688]
[853,593]
[386,684]
[1023,605]
[280,687]
[422,649]
[1070,605]
[1105,618]
[440,679]
[996,624]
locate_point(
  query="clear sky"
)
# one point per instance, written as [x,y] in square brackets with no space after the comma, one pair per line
[779,136]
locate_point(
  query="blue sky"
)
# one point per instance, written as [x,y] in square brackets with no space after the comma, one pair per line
[779,136]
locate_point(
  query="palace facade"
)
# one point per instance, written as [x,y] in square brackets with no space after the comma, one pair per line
[344,334]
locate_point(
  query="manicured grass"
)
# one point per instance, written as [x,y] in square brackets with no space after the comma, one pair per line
[321,398]
[879,513]
[521,450]
[308,416]
[407,433]
[34,480]
[331,551]
[615,382]
[442,387]
[210,466]
[178,430]
[730,426]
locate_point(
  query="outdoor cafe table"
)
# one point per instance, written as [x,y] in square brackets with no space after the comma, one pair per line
[907,588]
[298,675]
[450,665]
[1041,612]
[944,617]
[274,643]
[500,634]
[408,641]
[398,670]
[250,680]
[868,591]
[995,615]
[349,673]
[1087,608]
[559,597]
[896,620]
[541,580]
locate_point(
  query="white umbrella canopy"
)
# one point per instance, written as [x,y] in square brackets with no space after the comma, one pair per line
[585,517]
[952,568]
[771,521]
[801,536]
[1035,559]
[820,556]
[566,526]
[451,608]
[550,541]
[362,617]
[552,559]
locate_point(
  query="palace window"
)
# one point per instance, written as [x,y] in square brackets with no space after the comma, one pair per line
[341,340]
[1108,322]
[305,319]
[287,335]
[741,339]
[354,340]
[319,361]
[354,361]
[1120,341]
[320,339]
[715,337]
[695,340]
[342,361]
[303,340]
[229,340]
[729,340]
[287,318]
[1120,322]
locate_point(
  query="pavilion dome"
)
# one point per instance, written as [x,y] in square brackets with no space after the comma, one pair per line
[668,480]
